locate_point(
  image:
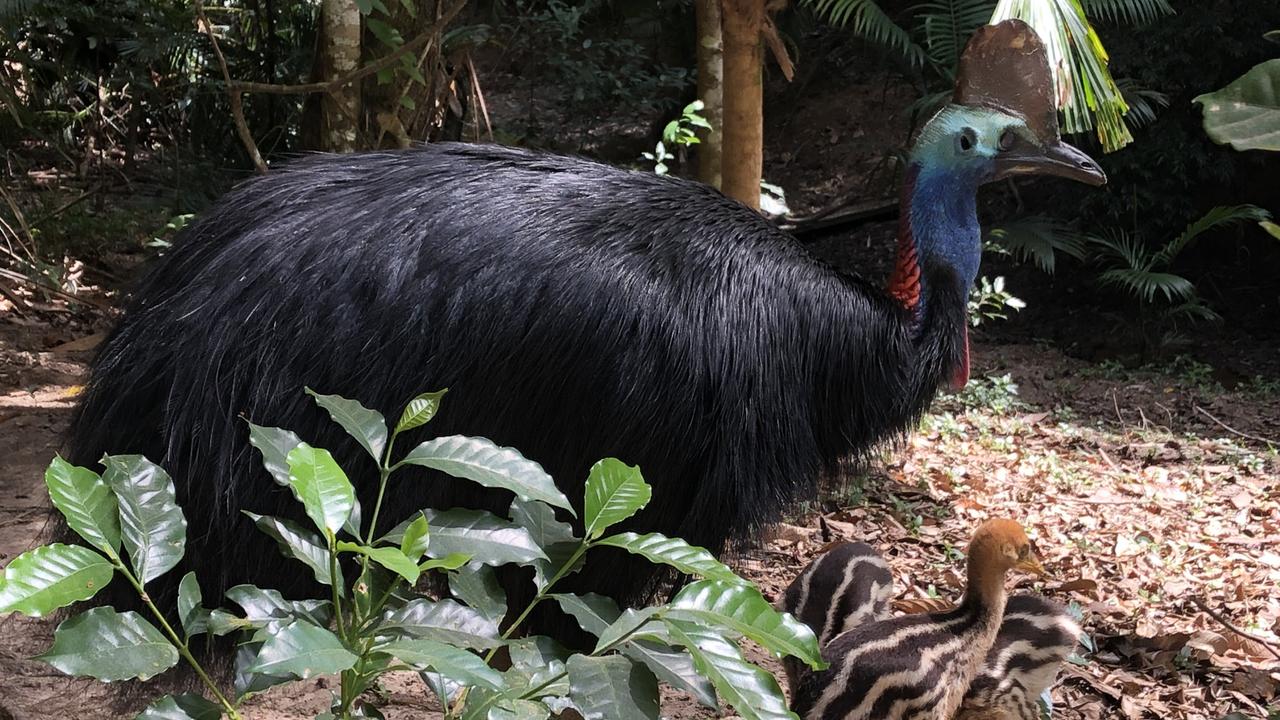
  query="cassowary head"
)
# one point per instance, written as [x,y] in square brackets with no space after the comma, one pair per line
[1003,119]
[981,144]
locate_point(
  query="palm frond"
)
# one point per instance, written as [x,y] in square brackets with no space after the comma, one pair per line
[1216,217]
[946,26]
[1039,239]
[1132,12]
[1124,249]
[1142,103]
[1194,309]
[867,20]
[1146,283]
[1087,96]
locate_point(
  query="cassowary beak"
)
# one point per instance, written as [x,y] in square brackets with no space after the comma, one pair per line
[1032,565]
[1055,158]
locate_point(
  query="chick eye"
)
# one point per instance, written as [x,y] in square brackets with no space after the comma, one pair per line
[1007,139]
[967,140]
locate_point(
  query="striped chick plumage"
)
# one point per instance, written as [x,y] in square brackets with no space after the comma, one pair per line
[913,667]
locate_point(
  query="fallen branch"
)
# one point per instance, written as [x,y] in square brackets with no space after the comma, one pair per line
[1227,624]
[1234,431]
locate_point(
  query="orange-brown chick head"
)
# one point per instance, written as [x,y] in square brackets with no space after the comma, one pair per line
[1002,545]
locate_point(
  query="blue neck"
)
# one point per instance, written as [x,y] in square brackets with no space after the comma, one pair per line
[944,221]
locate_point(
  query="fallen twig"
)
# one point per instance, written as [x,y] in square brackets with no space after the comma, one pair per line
[1228,625]
[1234,431]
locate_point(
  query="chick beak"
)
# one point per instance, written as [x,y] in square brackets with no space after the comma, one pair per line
[1054,158]
[1032,565]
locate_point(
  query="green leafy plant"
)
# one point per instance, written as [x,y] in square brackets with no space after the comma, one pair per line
[989,301]
[133,527]
[1246,113]
[1147,273]
[679,133]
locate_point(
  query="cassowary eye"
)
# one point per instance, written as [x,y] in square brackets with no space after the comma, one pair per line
[967,140]
[1007,139]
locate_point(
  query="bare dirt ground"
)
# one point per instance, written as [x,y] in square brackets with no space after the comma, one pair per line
[1154,498]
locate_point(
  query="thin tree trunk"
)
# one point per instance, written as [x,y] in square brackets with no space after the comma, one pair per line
[743,137]
[710,88]
[340,109]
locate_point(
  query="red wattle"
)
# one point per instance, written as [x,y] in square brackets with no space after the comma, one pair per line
[960,377]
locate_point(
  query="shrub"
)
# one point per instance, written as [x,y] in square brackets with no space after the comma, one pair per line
[379,623]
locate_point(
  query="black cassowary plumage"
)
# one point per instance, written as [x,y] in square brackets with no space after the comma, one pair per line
[574,310]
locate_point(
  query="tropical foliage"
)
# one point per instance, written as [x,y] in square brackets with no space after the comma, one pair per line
[379,622]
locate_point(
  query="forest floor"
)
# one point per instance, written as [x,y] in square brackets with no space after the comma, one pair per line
[1152,494]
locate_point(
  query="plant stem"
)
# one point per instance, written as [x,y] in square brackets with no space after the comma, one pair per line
[333,585]
[179,643]
[542,595]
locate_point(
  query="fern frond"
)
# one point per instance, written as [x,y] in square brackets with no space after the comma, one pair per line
[1194,309]
[1216,217]
[1132,12]
[869,21]
[1146,283]
[1038,238]
[946,26]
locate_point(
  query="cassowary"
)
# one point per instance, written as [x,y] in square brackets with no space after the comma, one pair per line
[574,310]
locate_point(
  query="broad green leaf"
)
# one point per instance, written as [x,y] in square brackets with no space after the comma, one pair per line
[597,614]
[482,535]
[593,612]
[443,621]
[555,538]
[537,668]
[1271,228]
[420,410]
[85,500]
[477,586]
[186,706]
[110,646]
[388,557]
[688,559]
[300,544]
[481,461]
[191,612]
[1246,113]
[321,487]
[612,688]
[251,683]
[626,626]
[303,649]
[151,523]
[416,538]
[753,692]
[615,492]
[275,445]
[422,654]
[268,607]
[50,577]
[365,425]
[672,666]
[513,709]
[741,609]
[452,561]
[221,622]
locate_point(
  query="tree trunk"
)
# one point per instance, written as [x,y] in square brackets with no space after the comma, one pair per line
[743,137]
[340,55]
[710,88]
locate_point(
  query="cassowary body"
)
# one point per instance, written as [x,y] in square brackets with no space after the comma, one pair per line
[574,310]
